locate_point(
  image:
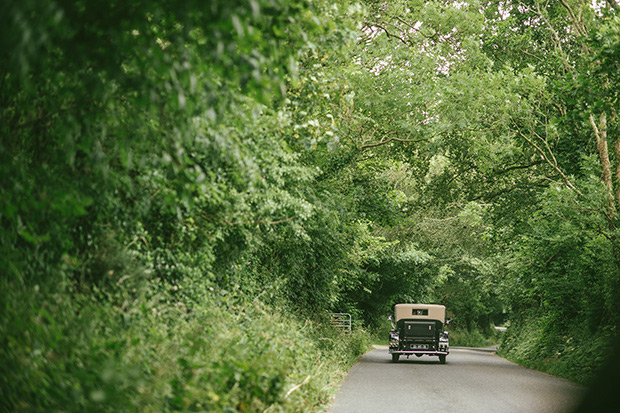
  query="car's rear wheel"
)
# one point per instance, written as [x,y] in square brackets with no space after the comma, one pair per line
[395,357]
[442,358]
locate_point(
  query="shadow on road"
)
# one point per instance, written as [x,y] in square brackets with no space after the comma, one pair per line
[388,360]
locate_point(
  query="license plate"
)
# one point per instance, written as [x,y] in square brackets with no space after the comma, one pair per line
[419,346]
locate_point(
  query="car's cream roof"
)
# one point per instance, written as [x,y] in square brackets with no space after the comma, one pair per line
[435,311]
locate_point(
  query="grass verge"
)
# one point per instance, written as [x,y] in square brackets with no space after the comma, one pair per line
[162,351]
[576,354]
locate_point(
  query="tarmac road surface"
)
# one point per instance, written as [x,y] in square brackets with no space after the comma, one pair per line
[470,381]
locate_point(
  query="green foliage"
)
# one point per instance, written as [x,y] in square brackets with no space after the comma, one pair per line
[162,352]
[574,277]
[145,173]
[474,338]
[131,121]
[183,187]
[574,353]
[563,287]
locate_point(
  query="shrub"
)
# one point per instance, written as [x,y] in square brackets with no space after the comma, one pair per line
[69,352]
[576,353]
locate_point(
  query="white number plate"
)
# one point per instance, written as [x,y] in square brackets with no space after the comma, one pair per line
[419,346]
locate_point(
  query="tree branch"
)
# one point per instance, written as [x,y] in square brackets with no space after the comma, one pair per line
[259,221]
[557,41]
[553,163]
[603,152]
[508,190]
[581,29]
[516,167]
[408,43]
[416,29]
[384,142]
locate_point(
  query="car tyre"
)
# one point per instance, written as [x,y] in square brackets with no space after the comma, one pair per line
[442,358]
[395,357]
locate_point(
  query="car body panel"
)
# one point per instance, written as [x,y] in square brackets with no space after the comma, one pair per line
[419,331]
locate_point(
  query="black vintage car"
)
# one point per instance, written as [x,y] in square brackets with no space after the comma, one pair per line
[419,330]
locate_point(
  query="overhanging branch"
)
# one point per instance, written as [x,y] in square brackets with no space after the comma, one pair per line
[385,142]
[553,163]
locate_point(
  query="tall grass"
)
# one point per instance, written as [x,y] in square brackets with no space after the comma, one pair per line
[576,353]
[163,351]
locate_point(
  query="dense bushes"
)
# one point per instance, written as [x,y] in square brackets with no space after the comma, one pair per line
[145,178]
[563,288]
[576,353]
[155,350]
[475,337]
[183,186]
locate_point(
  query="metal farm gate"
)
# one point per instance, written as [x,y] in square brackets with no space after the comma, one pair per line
[342,321]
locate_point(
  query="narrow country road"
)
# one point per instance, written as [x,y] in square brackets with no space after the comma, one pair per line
[470,381]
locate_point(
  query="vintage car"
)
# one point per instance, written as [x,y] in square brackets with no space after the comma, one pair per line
[419,330]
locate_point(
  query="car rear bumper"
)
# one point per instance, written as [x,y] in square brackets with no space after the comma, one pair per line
[429,352]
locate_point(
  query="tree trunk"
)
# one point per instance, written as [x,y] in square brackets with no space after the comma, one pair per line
[600,132]
[617,153]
